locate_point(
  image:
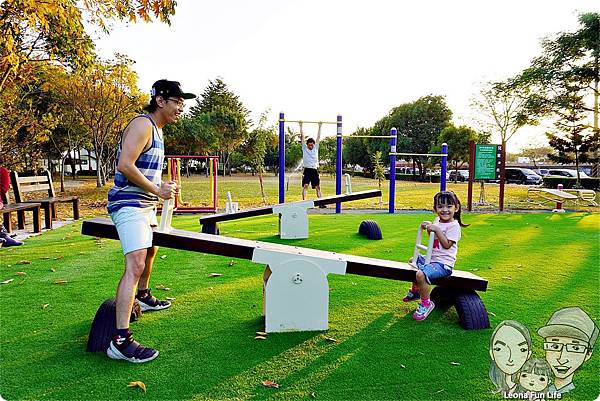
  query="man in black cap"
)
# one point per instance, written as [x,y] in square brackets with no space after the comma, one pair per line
[132,206]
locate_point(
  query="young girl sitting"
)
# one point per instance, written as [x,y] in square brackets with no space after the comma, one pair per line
[447,232]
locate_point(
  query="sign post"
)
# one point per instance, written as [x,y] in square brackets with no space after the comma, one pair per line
[485,163]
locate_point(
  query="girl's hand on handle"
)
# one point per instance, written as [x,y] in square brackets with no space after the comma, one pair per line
[167,190]
[425,225]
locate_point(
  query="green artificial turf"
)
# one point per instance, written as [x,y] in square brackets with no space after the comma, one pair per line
[535,264]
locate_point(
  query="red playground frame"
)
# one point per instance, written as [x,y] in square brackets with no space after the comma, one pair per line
[174,173]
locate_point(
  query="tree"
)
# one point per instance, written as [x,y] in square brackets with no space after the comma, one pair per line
[26,119]
[105,96]
[536,154]
[53,30]
[255,147]
[458,139]
[226,116]
[419,124]
[378,172]
[327,154]
[507,107]
[575,144]
[566,76]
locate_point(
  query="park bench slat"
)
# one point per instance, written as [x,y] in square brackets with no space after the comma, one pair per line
[242,248]
[43,182]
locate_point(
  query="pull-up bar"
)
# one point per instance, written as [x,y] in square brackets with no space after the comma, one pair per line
[368,136]
[421,154]
[308,122]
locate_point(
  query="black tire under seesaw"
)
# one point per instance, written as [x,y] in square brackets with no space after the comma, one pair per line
[104,325]
[370,229]
[471,311]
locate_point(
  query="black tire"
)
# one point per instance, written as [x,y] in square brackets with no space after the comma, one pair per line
[471,311]
[370,229]
[210,229]
[104,325]
[443,297]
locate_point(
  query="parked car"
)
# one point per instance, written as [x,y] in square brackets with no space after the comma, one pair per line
[565,172]
[463,175]
[520,175]
[542,171]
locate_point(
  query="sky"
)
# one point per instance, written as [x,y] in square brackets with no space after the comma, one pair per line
[315,59]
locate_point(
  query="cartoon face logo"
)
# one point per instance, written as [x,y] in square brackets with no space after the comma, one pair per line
[535,376]
[510,346]
[565,355]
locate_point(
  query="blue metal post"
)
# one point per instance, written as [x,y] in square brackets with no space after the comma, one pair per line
[444,167]
[338,163]
[281,158]
[393,133]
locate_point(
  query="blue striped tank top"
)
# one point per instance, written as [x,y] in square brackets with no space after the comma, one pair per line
[150,162]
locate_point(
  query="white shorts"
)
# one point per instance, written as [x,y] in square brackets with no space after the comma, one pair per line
[134,225]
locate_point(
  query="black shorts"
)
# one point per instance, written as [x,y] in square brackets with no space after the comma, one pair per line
[310,176]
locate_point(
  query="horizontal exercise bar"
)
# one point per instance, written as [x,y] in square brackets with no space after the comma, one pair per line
[420,154]
[367,136]
[310,122]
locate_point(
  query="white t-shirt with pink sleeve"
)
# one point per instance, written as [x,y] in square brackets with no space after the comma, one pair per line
[440,254]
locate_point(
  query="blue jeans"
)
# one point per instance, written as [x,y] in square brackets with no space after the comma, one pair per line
[433,270]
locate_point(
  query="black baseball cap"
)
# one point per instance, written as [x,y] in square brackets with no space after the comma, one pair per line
[166,89]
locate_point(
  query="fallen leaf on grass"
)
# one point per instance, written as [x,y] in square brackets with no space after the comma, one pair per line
[439,391]
[231,263]
[492,313]
[10,280]
[20,274]
[137,384]
[162,287]
[261,333]
[269,383]
[58,257]
[60,282]
[260,338]
[170,298]
[402,366]
[507,277]
[53,269]
[163,257]
[45,258]
[23,262]
[44,306]
[215,275]
[455,363]
[331,339]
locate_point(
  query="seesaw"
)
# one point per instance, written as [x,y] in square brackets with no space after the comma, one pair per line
[296,288]
[293,216]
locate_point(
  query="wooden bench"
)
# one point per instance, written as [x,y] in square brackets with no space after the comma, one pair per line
[20,208]
[293,217]
[296,288]
[21,185]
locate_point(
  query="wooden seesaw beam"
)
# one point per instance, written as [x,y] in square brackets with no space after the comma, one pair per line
[293,223]
[297,291]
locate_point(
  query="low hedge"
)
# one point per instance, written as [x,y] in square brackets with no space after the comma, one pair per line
[569,182]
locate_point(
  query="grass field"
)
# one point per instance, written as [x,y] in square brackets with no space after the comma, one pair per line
[245,190]
[535,264]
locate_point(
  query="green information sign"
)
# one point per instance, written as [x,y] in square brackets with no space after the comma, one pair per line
[486,162]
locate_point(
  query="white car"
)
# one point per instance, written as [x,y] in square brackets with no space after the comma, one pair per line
[565,172]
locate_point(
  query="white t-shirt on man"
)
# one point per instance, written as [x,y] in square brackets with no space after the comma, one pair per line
[310,158]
